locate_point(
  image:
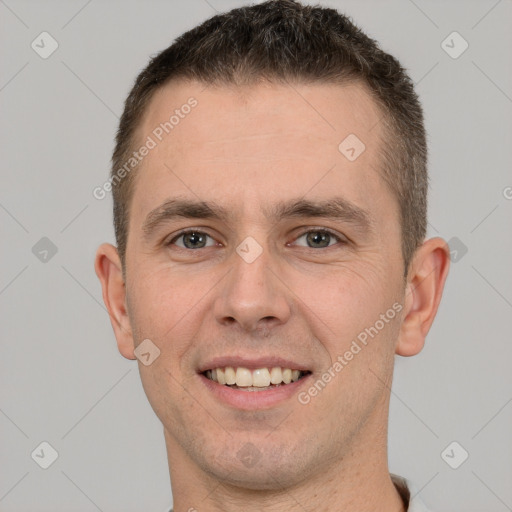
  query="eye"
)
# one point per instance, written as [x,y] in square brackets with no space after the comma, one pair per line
[314,239]
[320,238]
[192,239]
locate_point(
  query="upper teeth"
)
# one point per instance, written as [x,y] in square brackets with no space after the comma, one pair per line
[261,377]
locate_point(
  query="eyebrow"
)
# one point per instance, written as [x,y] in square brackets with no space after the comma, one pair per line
[337,208]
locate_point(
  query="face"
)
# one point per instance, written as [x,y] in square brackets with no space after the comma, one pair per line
[296,257]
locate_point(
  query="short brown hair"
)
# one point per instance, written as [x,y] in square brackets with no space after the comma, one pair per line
[281,41]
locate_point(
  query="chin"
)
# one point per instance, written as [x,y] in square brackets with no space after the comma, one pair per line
[258,468]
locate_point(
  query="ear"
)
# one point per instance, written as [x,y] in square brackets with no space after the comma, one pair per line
[425,284]
[108,268]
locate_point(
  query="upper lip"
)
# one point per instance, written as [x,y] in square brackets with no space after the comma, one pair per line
[252,363]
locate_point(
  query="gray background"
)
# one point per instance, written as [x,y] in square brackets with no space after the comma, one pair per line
[62,378]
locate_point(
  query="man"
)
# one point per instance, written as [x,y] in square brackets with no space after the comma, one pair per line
[269,185]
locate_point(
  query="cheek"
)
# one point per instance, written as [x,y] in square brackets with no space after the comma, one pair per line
[355,318]
[163,309]
[350,297]
[363,325]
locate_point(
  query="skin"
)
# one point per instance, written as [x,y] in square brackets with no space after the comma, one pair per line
[247,148]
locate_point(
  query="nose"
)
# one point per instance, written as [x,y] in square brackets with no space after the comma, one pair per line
[252,296]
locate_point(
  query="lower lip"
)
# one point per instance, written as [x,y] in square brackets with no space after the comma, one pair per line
[250,400]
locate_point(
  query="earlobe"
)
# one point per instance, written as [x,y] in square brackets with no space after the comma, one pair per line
[425,284]
[108,268]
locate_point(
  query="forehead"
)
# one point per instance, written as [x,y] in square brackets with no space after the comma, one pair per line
[324,110]
[258,144]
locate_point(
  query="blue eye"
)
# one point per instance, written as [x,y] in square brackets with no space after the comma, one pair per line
[320,238]
[314,239]
[192,239]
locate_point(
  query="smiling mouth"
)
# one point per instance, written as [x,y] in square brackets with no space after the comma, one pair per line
[259,379]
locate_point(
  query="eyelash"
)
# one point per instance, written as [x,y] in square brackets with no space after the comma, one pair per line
[310,230]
